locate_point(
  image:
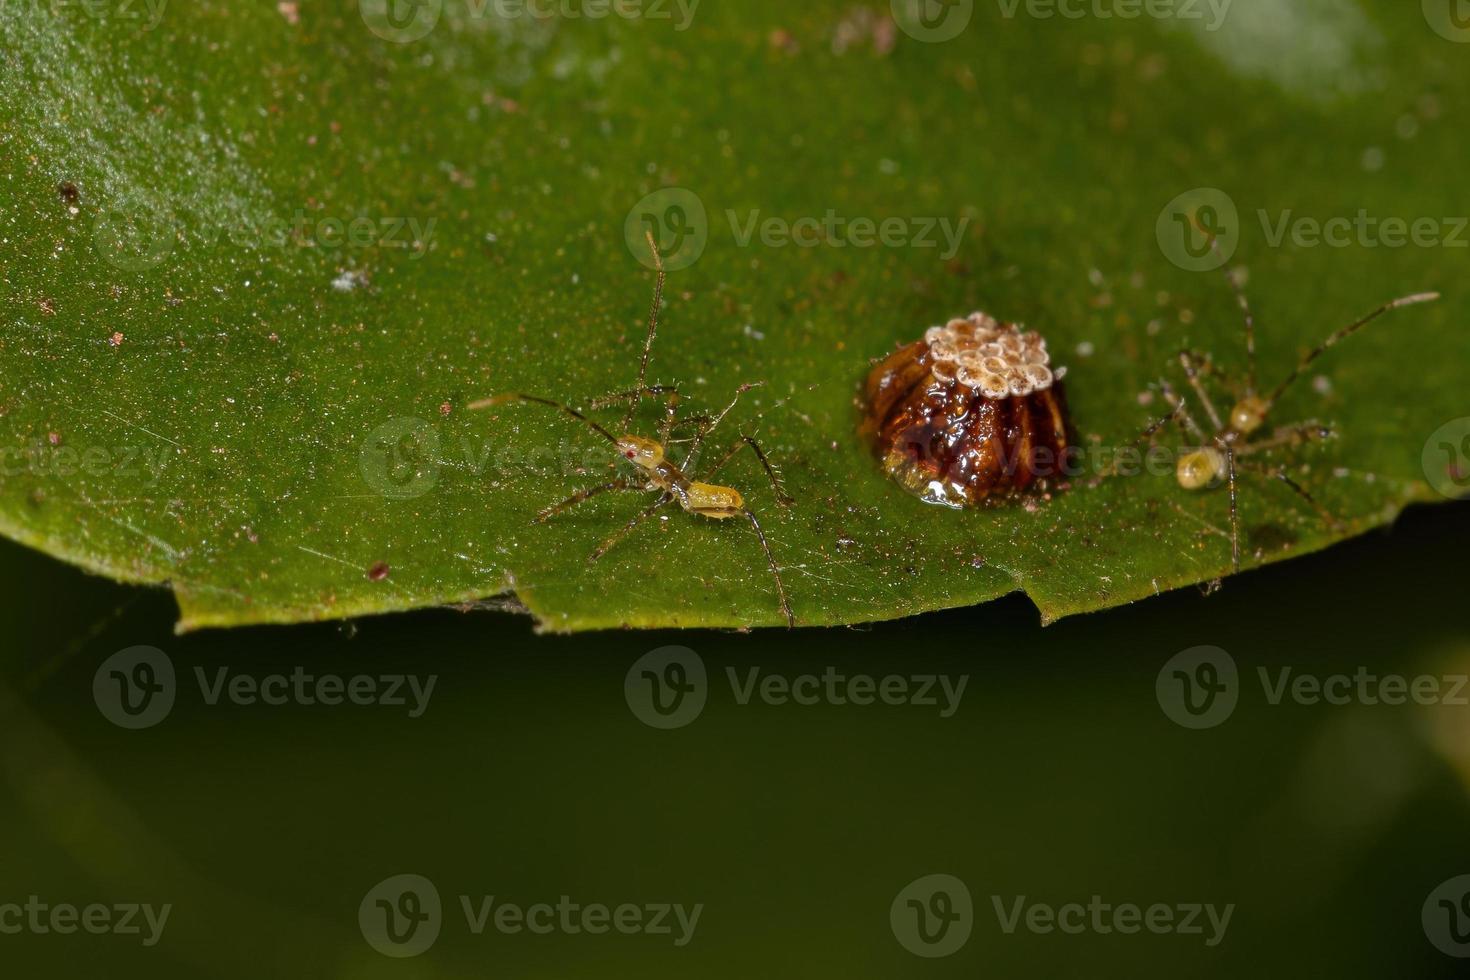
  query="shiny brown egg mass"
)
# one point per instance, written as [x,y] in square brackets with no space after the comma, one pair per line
[972,414]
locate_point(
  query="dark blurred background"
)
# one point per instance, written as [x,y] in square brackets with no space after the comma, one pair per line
[529,777]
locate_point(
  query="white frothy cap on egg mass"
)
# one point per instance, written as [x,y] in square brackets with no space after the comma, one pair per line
[999,360]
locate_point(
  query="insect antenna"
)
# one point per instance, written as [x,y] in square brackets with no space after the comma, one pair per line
[1245,309]
[536,400]
[1113,468]
[1342,335]
[708,425]
[658,298]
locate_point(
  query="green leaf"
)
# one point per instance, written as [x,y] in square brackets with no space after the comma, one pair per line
[258,263]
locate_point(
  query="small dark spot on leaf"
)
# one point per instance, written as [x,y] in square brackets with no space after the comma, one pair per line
[1268,538]
[378,572]
[69,192]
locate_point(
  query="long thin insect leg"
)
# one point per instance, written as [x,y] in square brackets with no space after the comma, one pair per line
[782,497]
[1291,435]
[775,571]
[686,422]
[582,496]
[1111,470]
[1342,335]
[704,431]
[671,413]
[1183,416]
[1191,371]
[658,299]
[537,400]
[1277,473]
[1234,510]
[1208,371]
[629,527]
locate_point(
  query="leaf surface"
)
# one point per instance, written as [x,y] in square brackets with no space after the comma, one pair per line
[257,265]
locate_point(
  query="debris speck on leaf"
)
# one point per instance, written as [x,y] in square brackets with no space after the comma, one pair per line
[348,280]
